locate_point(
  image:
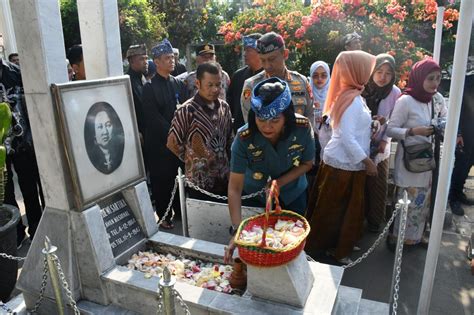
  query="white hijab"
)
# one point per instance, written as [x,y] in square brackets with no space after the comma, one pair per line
[319,94]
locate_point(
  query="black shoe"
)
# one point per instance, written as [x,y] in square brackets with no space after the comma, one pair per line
[462,198]
[456,207]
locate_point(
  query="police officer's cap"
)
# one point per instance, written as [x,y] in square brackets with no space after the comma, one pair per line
[270,42]
[205,49]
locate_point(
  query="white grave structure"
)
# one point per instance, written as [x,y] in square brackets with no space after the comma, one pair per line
[84,234]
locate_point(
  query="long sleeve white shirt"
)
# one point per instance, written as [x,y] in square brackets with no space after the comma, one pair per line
[410,113]
[350,141]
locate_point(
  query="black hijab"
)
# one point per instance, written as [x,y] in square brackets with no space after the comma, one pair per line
[374,94]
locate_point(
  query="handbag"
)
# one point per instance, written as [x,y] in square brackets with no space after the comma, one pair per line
[419,158]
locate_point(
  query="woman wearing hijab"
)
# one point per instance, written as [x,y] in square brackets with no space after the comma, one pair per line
[412,121]
[320,76]
[276,143]
[380,95]
[338,194]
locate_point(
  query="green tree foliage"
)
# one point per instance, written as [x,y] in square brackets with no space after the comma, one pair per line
[138,23]
[70,21]
[183,20]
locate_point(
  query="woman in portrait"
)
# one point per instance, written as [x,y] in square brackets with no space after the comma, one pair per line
[104,138]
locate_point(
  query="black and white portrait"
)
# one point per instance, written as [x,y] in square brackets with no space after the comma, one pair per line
[104,137]
[100,136]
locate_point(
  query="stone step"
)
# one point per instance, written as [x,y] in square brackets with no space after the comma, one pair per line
[369,307]
[347,301]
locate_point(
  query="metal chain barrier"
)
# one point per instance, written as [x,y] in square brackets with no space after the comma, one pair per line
[377,241]
[181,302]
[195,187]
[65,285]
[161,306]
[43,286]
[399,254]
[6,256]
[170,204]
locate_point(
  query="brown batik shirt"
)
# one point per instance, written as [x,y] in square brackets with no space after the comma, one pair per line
[201,137]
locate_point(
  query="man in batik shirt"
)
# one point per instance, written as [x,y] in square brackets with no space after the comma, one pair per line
[201,134]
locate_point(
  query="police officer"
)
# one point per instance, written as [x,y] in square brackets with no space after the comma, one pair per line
[160,98]
[204,53]
[276,143]
[253,65]
[272,53]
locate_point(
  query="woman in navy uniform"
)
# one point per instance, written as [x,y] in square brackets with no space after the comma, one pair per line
[276,143]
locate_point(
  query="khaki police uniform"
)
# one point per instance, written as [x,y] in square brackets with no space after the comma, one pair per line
[301,94]
[189,80]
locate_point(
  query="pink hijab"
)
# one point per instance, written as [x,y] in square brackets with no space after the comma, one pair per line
[351,72]
[418,74]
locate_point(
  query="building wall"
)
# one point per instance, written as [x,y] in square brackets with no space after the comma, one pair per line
[6,30]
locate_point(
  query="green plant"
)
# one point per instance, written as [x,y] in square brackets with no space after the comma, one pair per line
[5,121]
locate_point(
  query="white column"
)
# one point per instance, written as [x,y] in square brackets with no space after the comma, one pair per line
[43,61]
[447,160]
[438,34]
[6,28]
[100,36]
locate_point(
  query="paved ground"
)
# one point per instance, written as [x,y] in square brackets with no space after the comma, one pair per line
[453,291]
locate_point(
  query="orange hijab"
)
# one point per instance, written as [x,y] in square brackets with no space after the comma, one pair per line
[351,72]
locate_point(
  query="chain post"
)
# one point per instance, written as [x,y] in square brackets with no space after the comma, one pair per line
[166,297]
[395,287]
[65,285]
[49,251]
[182,201]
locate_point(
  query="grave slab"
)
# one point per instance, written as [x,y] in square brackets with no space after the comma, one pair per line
[290,283]
[138,199]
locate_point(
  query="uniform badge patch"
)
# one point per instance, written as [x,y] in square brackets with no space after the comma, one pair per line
[257,176]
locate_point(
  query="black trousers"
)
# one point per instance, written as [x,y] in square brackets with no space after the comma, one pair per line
[26,169]
[162,179]
[464,159]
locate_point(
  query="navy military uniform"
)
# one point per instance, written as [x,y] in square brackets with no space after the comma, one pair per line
[254,156]
[300,93]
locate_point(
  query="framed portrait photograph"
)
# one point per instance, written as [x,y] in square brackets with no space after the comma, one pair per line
[100,136]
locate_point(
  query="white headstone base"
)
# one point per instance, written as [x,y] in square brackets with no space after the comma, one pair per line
[288,284]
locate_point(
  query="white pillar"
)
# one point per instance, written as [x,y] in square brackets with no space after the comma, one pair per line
[6,28]
[100,36]
[43,61]
[38,30]
[447,160]
[438,34]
